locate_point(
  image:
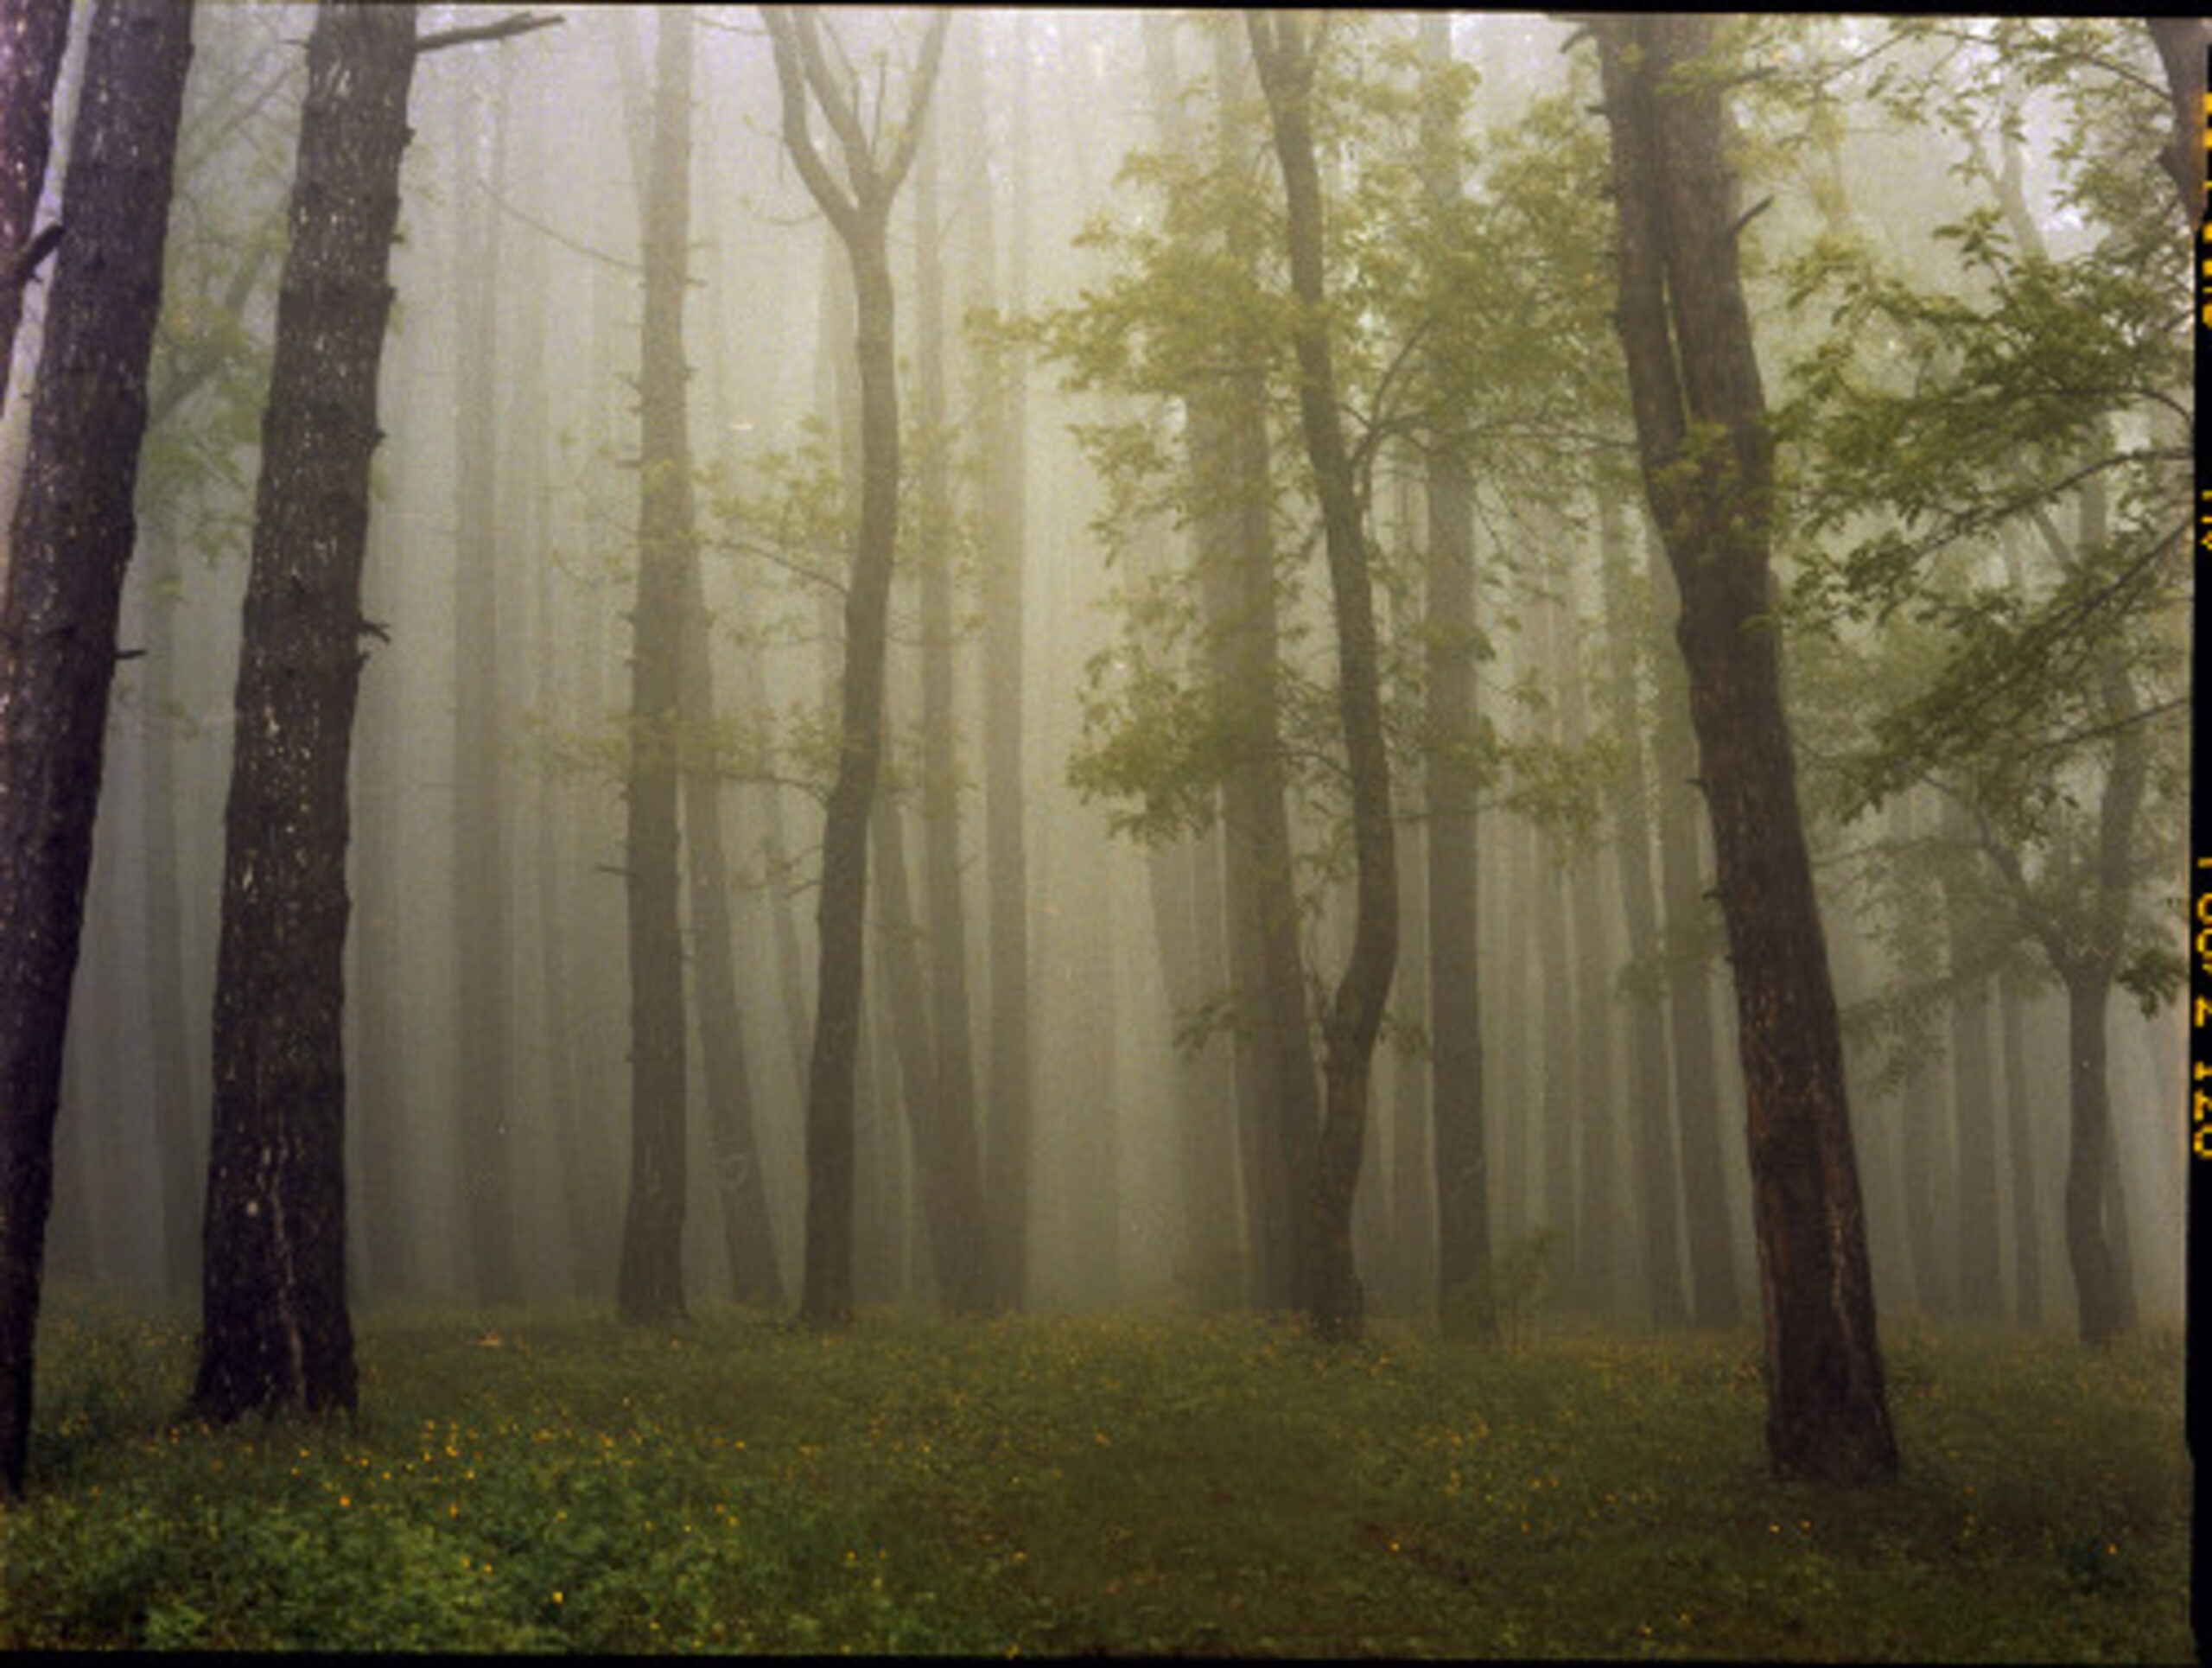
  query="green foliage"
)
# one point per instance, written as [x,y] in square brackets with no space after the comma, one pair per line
[1115,1484]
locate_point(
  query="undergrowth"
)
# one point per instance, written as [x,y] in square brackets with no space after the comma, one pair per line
[1159,1483]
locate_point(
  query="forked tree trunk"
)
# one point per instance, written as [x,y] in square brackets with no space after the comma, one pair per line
[1286,56]
[275,1328]
[859,210]
[1707,458]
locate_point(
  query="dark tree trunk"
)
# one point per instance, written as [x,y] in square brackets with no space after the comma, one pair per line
[859,210]
[2097,1293]
[649,1285]
[1651,1130]
[33,36]
[1711,1237]
[1285,58]
[1707,453]
[1463,1225]
[275,1332]
[483,1104]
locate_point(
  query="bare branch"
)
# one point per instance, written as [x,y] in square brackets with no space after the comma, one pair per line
[522,23]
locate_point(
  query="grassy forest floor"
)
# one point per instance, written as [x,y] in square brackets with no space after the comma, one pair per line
[1165,1483]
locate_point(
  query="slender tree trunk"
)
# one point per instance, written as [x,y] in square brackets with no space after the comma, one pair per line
[2088,1241]
[649,1285]
[1463,1224]
[33,36]
[1286,58]
[1714,1299]
[483,1103]
[1707,452]
[1651,1130]
[859,211]
[275,1332]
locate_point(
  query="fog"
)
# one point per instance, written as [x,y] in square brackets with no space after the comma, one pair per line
[519,301]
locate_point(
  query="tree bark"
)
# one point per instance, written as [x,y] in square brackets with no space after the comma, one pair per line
[34,34]
[275,1331]
[1285,58]
[1707,453]
[859,210]
[649,1284]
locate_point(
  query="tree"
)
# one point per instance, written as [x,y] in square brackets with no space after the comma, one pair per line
[648,1286]
[858,209]
[275,1329]
[69,544]
[1705,446]
[1463,1226]
[1286,55]
[2033,407]
[33,34]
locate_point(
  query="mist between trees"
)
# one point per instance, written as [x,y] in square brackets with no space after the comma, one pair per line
[1029,658]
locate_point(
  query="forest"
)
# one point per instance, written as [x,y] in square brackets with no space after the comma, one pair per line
[1051,830]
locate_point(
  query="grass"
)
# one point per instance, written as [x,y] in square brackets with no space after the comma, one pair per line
[1126,1484]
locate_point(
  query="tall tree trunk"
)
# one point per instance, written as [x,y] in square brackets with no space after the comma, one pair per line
[1651,1130]
[1463,1225]
[859,210]
[483,1101]
[1714,1299]
[1286,57]
[275,1332]
[69,544]
[34,34]
[1707,453]
[649,1285]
